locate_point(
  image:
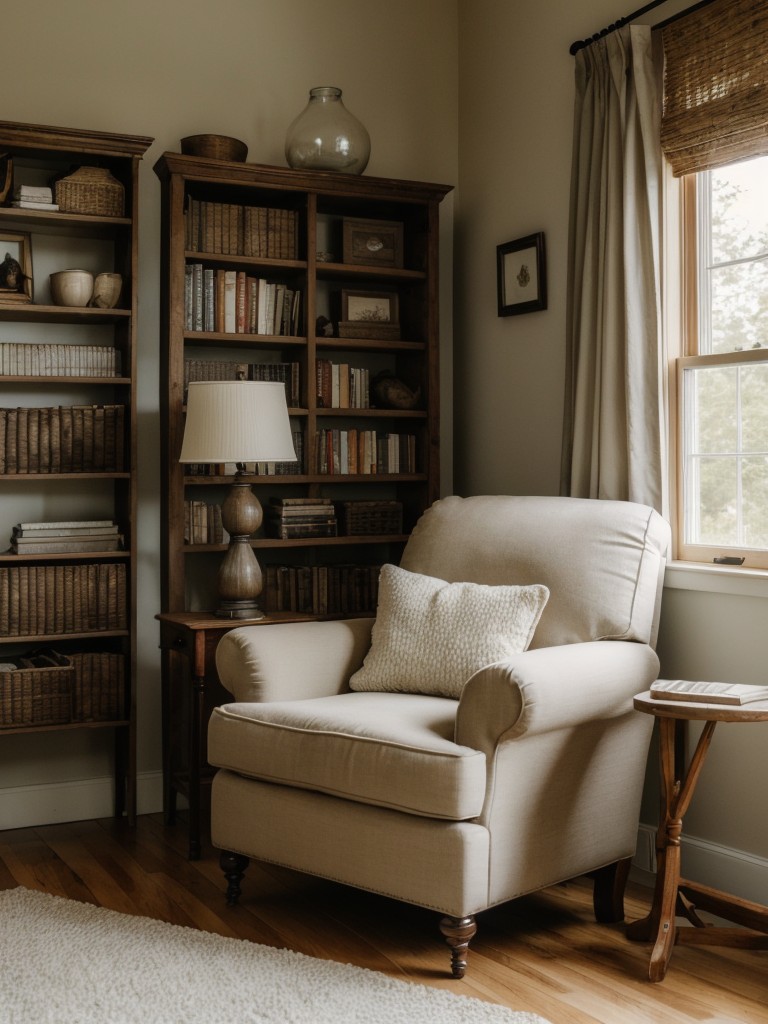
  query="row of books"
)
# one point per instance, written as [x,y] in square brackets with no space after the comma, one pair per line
[236,230]
[202,524]
[352,452]
[48,600]
[233,302]
[62,439]
[341,386]
[31,360]
[224,369]
[253,468]
[322,589]
[66,537]
[290,518]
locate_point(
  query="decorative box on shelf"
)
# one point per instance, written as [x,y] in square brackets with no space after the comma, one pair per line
[370,517]
[36,690]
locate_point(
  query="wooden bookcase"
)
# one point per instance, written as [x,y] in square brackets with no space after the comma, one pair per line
[81,605]
[220,216]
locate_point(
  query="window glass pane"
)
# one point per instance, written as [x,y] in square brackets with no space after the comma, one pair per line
[717,502]
[715,410]
[739,312]
[754,482]
[739,210]
[754,412]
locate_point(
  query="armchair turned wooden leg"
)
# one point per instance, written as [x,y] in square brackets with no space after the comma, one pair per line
[458,932]
[233,865]
[608,896]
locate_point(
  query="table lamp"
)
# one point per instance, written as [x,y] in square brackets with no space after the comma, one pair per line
[238,421]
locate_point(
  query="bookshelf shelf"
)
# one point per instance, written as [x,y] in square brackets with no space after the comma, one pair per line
[51,597]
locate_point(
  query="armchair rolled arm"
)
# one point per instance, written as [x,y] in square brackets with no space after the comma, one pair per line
[292,660]
[552,688]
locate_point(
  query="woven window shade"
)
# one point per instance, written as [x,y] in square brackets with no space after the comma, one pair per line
[716,85]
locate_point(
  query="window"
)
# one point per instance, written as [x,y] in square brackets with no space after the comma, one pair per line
[723,378]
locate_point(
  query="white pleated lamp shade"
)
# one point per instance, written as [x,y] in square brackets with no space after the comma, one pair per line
[237,421]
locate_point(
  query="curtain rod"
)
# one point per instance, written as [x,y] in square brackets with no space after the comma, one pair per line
[581,43]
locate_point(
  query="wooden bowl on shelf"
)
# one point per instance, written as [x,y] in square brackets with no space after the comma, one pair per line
[215,147]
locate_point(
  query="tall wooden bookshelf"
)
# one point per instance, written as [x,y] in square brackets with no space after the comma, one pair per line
[328,243]
[81,605]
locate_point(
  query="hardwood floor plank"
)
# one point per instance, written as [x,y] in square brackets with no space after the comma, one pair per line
[543,953]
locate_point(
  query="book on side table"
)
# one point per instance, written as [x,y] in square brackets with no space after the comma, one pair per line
[708,693]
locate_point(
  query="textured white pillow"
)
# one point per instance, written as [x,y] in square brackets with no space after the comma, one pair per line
[430,636]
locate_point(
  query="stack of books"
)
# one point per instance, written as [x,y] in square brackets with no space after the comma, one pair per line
[66,537]
[289,518]
[33,197]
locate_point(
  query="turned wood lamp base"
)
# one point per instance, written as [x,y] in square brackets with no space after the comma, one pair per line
[240,578]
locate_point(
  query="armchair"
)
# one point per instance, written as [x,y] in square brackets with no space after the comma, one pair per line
[531,776]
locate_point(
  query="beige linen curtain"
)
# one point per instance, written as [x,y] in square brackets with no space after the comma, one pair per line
[614,434]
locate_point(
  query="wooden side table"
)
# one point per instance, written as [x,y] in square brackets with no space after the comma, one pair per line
[673,894]
[191,689]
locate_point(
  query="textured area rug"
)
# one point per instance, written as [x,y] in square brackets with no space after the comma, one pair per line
[64,962]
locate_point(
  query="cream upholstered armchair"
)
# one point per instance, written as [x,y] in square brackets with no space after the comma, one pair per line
[436,759]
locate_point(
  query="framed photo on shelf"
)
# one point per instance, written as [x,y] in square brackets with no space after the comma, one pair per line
[372,243]
[369,314]
[521,275]
[15,268]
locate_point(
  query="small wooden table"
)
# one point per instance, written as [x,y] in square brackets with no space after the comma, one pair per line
[187,700]
[673,894]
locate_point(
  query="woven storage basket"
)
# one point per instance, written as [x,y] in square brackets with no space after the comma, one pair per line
[99,686]
[37,691]
[370,517]
[91,190]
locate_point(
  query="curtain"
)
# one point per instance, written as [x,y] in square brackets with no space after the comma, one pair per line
[614,436]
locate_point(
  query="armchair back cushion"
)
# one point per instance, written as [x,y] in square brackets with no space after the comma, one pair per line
[602,561]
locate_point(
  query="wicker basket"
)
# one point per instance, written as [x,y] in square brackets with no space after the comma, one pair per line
[99,686]
[91,190]
[369,517]
[37,690]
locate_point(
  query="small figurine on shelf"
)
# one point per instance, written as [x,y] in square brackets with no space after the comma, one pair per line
[323,327]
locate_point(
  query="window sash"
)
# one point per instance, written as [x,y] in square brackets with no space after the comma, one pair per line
[689,461]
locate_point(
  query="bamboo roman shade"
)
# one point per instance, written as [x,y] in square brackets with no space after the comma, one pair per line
[716,85]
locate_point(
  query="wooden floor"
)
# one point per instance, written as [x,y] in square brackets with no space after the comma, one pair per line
[542,953]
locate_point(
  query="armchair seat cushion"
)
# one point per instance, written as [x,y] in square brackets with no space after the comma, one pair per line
[386,749]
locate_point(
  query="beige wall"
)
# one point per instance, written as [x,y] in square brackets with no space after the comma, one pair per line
[236,67]
[515,118]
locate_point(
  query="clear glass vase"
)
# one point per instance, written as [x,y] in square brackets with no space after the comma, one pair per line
[326,137]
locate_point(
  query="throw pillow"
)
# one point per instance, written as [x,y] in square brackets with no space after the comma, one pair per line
[430,636]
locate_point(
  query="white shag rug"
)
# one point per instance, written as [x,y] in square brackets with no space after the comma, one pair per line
[64,962]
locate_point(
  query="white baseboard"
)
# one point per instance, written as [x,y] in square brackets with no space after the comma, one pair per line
[721,867]
[51,803]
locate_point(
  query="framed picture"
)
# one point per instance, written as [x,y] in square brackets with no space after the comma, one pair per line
[6,177]
[369,314]
[521,275]
[15,267]
[372,243]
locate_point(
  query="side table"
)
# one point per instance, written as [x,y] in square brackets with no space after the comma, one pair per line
[190,690]
[673,894]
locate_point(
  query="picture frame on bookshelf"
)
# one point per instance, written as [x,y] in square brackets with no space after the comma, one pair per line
[6,178]
[369,314]
[372,243]
[15,267]
[521,275]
